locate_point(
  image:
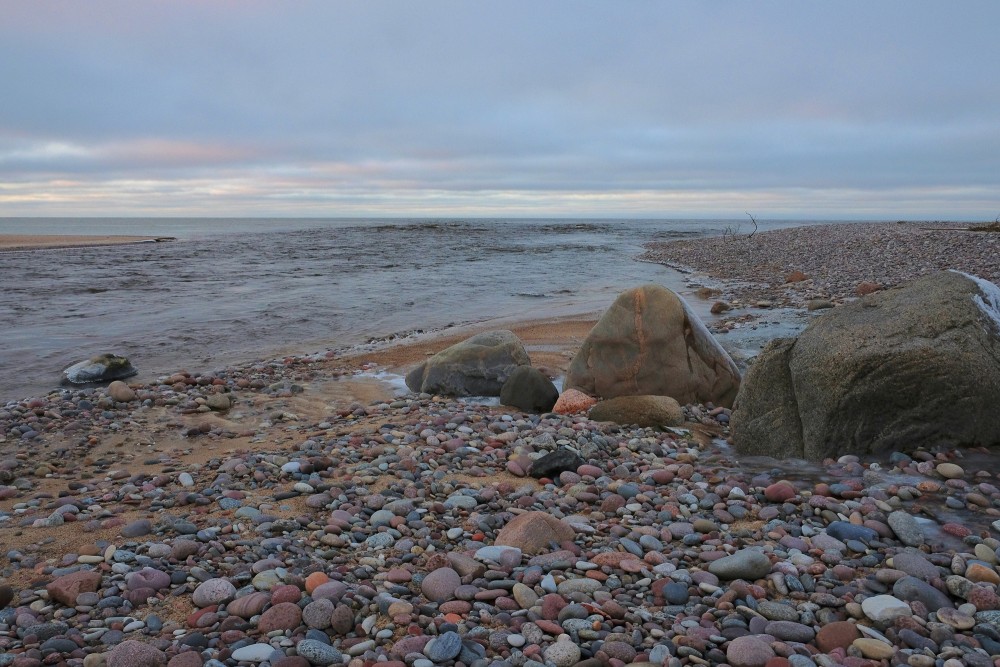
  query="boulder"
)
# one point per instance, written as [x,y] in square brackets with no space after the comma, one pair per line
[478,366]
[529,390]
[650,342]
[102,368]
[639,410]
[913,366]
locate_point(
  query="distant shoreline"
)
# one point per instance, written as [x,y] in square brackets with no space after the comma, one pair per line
[11,242]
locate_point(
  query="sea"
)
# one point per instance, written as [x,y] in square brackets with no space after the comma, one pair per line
[234,290]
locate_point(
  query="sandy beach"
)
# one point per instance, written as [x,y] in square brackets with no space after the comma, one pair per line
[53,241]
[300,510]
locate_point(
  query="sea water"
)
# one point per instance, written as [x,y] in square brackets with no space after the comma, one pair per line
[232,290]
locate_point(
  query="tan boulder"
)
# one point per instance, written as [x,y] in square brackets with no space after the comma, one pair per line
[639,410]
[650,343]
[532,532]
[121,392]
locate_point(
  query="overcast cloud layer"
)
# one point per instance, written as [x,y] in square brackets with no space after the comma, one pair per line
[651,109]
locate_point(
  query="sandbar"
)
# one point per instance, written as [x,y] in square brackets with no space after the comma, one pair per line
[52,241]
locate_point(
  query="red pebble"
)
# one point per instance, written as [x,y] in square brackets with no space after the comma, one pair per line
[286,593]
[956,529]
[779,492]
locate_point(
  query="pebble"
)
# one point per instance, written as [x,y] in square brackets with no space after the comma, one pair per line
[253,653]
[317,652]
[750,564]
[750,651]
[874,649]
[373,539]
[444,647]
[133,653]
[884,608]
[906,528]
[213,592]
[440,585]
[950,470]
[564,653]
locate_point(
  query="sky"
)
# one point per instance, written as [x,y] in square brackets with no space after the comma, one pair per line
[834,110]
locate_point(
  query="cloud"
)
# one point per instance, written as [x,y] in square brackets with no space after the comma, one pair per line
[677,109]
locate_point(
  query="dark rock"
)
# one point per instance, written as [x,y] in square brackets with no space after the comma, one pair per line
[911,588]
[844,531]
[555,462]
[59,645]
[529,390]
[6,595]
[444,647]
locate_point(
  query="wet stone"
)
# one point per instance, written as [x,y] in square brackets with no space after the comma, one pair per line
[443,647]
[906,528]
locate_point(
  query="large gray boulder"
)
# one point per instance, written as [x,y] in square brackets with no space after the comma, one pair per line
[908,367]
[478,366]
[650,343]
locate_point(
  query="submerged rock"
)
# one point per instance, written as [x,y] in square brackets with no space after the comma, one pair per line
[650,343]
[478,366]
[102,368]
[893,371]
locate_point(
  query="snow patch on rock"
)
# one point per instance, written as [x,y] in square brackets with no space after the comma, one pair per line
[989,301]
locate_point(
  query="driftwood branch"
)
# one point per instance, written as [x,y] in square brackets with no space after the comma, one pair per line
[754,225]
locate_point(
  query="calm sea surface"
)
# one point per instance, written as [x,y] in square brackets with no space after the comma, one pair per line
[231,290]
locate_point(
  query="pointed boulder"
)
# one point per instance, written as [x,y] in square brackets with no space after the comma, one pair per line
[649,342]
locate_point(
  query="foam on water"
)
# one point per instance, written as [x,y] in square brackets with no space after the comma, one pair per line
[397,384]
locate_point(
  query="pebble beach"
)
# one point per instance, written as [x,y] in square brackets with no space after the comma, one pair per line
[301,511]
[789,267]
